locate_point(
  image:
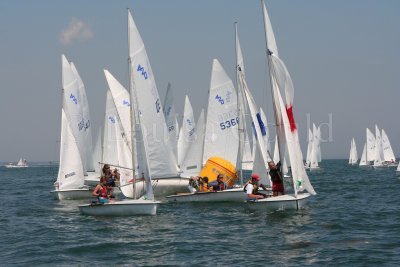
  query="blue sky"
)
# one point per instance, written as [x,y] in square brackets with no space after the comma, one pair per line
[343,57]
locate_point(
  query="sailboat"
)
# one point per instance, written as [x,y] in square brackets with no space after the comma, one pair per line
[186,134]
[70,179]
[309,148]
[221,133]
[286,130]
[388,153]
[22,163]
[368,154]
[171,119]
[142,85]
[353,158]
[314,153]
[379,157]
[220,137]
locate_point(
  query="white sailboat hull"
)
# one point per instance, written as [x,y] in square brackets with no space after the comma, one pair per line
[72,194]
[284,202]
[121,208]
[15,166]
[229,195]
[92,179]
[161,187]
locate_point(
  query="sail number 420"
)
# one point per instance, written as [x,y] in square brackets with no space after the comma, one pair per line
[229,123]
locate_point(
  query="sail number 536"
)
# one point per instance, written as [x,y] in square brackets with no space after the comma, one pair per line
[229,123]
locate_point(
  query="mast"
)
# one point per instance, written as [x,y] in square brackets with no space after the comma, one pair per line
[133,118]
[240,111]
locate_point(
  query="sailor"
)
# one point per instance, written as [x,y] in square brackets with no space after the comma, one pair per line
[251,188]
[276,178]
[100,191]
[219,184]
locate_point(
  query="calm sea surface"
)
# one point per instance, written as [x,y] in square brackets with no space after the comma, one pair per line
[353,221]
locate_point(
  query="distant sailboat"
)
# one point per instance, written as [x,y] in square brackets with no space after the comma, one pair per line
[22,163]
[388,153]
[353,158]
[379,158]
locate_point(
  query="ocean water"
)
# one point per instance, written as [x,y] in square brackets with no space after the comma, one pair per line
[353,221]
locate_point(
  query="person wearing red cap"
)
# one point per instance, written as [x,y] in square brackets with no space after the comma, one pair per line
[251,188]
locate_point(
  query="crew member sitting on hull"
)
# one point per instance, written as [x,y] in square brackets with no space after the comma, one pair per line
[198,184]
[219,184]
[251,188]
[203,184]
[101,191]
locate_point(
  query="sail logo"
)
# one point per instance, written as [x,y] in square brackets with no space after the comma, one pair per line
[189,122]
[69,175]
[74,99]
[126,103]
[112,119]
[83,125]
[142,71]
[191,132]
[158,105]
[220,99]
[171,128]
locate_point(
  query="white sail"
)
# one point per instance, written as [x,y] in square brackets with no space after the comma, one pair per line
[98,152]
[379,158]
[353,153]
[221,138]
[276,150]
[247,163]
[110,131]
[186,136]
[192,163]
[122,103]
[73,107]
[387,148]
[88,142]
[159,155]
[70,172]
[363,160]
[261,153]
[319,144]
[286,127]
[277,157]
[370,145]
[170,119]
[241,127]
[22,163]
[314,149]
[265,132]
[309,147]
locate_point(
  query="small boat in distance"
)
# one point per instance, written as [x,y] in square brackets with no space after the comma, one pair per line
[22,163]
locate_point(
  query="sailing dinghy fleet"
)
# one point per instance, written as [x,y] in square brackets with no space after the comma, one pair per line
[377,151]
[217,143]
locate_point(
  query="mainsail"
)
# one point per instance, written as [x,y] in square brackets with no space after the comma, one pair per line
[159,154]
[221,138]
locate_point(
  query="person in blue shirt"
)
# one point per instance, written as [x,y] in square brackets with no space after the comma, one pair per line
[219,184]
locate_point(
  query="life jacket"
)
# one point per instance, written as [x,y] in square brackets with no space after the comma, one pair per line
[103,192]
[255,187]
